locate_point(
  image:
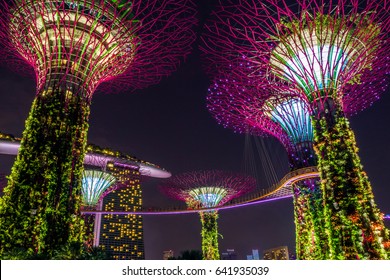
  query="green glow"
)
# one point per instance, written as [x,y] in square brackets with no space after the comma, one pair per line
[95,183]
[293,116]
[311,238]
[353,221]
[41,211]
[210,235]
[208,196]
[314,54]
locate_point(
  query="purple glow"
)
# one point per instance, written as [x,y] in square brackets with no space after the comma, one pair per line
[191,186]
[285,182]
[253,39]
[8,147]
[189,211]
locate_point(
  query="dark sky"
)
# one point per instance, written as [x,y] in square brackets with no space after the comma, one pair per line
[168,124]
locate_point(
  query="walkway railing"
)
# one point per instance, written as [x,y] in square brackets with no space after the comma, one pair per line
[281,190]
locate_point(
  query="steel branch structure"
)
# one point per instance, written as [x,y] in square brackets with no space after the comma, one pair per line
[95,183]
[328,52]
[208,189]
[249,107]
[111,182]
[94,41]
[74,47]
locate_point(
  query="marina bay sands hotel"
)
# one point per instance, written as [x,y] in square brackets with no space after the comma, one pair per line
[119,235]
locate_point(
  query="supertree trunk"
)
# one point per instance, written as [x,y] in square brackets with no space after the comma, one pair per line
[89,226]
[311,241]
[42,211]
[210,235]
[89,222]
[311,237]
[353,222]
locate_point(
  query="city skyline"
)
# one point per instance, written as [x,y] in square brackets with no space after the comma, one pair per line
[173,129]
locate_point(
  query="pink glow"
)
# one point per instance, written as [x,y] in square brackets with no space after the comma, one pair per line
[150,37]
[241,37]
[188,211]
[182,186]
[8,147]
[274,194]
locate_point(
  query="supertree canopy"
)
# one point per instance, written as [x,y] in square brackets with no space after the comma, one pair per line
[248,107]
[324,51]
[208,189]
[74,47]
[94,184]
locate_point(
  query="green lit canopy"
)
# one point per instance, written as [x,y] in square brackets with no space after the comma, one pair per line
[94,184]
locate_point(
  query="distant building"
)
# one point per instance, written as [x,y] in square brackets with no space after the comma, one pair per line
[255,255]
[279,253]
[122,235]
[168,254]
[230,254]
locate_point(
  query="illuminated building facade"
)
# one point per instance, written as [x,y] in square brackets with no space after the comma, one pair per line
[111,182]
[122,235]
[74,48]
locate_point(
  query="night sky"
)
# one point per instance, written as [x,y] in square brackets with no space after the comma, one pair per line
[168,124]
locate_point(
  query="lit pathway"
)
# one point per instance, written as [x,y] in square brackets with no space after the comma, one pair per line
[279,191]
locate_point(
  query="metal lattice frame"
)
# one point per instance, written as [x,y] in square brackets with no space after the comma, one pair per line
[344,41]
[138,42]
[94,184]
[248,107]
[326,52]
[224,185]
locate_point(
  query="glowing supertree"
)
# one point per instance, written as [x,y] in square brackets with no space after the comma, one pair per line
[95,185]
[248,107]
[208,189]
[74,47]
[319,49]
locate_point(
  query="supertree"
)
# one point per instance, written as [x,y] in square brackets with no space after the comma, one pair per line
[248,107]
[74,48]
[3,183]
[318,49]
[95,185]
[208,189]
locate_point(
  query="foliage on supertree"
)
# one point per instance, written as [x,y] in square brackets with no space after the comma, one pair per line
[329,53]
[248,107]
[208,189]
[95,185]
[74,48]
[3,183]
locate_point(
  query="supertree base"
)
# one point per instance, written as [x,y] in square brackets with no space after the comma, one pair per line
[40,210]
[311,240]
[353,222]
[210,235]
